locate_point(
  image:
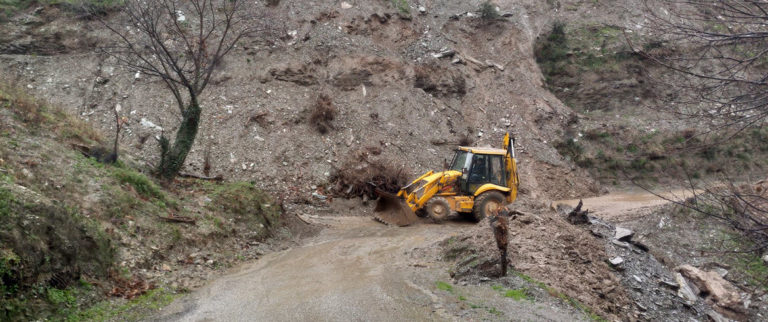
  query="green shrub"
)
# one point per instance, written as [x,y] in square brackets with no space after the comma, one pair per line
[517,294]
[246,203]
[143,186]
[488,11]
[555,48]
[570,148]
[402,7]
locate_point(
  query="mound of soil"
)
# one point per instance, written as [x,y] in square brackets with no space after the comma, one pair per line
[544,246]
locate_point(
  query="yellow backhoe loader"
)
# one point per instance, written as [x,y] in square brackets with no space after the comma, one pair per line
[476,183]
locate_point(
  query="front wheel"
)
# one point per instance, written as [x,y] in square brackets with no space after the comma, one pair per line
[438,209]
[487,204]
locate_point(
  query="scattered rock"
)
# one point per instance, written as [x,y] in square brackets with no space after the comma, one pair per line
[720,271]
[319,196]
[620,244]
[623,234]
[445,53]
[717,317]
[616,261]
[669,284]
[28,174]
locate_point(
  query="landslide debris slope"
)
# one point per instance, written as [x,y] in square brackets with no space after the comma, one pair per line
[377,65]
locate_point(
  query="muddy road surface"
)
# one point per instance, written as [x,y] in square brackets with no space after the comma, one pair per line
[356,270]
[629,205]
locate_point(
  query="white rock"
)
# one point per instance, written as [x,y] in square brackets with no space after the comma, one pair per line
[27,173]
[180,16]
[765,259]
[623,234]
[616,261]
[685,292]
[720,271]
[345,5]
[422,10]
[146,123]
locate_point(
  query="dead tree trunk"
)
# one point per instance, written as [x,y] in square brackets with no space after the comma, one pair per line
[500,226]
[578,216]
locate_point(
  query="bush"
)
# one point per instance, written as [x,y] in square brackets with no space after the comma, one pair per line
[488,11]
[402,7]
[571,149]
[143,186]
[323,112]
[555,47]
[246,202]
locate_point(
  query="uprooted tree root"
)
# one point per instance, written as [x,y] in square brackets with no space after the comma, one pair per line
[361,176]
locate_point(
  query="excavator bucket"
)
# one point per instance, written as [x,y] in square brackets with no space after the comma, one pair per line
[392,210]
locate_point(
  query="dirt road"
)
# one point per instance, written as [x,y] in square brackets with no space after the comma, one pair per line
[628,205]
[356,270]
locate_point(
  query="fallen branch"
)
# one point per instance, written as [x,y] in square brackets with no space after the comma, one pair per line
[181,219]
[218,178]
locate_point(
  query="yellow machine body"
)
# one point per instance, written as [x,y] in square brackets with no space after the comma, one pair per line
[456,186]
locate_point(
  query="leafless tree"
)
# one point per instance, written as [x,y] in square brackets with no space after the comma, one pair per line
[182,43]
[719,49]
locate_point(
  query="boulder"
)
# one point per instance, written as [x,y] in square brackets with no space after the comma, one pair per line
[720,293]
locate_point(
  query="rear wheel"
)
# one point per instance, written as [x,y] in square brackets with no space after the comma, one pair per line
[486,204]
[438,209]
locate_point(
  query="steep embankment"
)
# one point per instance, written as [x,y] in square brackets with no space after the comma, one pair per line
[375,62]
[75,230]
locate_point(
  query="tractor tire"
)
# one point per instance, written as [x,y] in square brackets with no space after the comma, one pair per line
[487,204]
[438,209]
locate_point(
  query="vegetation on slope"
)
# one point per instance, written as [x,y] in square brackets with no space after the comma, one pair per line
[74,230]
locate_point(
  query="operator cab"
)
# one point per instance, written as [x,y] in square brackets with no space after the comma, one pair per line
[478,167]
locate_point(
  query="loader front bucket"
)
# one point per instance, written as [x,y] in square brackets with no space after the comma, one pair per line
[392,210]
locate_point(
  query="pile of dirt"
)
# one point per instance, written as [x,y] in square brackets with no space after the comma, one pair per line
[544,246]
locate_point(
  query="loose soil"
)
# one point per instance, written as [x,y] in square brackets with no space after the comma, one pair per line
[358,269]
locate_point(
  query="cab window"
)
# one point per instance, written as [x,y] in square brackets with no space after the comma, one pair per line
[496,170]
[479,171]
[459,160]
